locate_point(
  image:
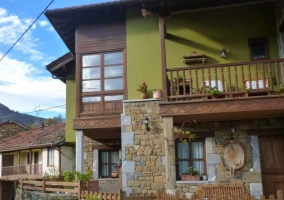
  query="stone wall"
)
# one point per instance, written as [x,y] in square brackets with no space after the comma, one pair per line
[32,195]
[8,130]
[143,169]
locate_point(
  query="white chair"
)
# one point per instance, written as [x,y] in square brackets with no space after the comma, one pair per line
[213,84]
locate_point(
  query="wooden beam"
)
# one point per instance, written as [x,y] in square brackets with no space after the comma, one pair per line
[266,131]
[162,29]
[78,84]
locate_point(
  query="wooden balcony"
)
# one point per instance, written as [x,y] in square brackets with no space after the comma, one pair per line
[21,171]
[189,91]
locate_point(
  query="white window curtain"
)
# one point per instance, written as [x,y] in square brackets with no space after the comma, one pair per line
[197,153]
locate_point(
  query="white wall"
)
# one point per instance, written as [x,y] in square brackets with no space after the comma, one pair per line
[67,158]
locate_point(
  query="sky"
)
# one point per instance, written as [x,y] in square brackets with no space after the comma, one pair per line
[25,84]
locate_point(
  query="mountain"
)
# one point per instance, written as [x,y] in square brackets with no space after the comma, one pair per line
[6,114]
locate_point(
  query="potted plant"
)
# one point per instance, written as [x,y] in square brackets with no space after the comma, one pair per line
[246,91]
[157,93]
[214,92]
[191,175]
[142,88]
[277,89]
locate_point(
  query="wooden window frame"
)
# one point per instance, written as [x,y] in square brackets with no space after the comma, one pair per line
[109,161]
[190,155]
[104,92]
[258,40]
[48,158]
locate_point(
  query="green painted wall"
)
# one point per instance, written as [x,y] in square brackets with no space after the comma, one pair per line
[202,31]
[70,107]
[143,52]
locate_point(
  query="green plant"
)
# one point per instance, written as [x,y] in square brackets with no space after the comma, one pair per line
[214,91]
[274,81]
[92,198]
[84,177]
[278,89]
[52,174]
[69,176]
[142,87]
[245,91]
[180,78]
[192,171]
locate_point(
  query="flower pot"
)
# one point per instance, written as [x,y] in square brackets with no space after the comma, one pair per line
[114,175]
[186,177]
[214,97]
[246,95]
[143,95]
[157,94]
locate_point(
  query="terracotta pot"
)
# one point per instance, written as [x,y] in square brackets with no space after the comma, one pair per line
[114,175]
[157,94]
[246,95]
[186,177]
[214,97]
[143,95]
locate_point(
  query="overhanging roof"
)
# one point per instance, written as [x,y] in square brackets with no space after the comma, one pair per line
[64,20]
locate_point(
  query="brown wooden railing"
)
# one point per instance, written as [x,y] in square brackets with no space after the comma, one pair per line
[230,79]
[21,169]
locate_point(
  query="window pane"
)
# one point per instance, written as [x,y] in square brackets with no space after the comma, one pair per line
[199,166]
[183,166]
[197,150]
[183,150]
[89,73]
[104,157]
[114,157]
[105,170]
[90,86]
[113,58]
[91,60]
[114,84]
[91,99]
[113,71]
[113,97]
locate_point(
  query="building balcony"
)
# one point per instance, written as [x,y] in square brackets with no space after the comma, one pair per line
[245,90]
[21,171]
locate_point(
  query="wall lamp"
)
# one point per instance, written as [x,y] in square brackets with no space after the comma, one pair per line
[223,53]
[146,122]
[233,127]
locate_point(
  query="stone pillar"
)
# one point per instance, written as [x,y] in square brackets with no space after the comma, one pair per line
[169,154]
[96,164]
[79,151]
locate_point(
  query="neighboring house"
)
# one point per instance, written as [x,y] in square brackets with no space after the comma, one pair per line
[31,154]
[185,48]
[10,128]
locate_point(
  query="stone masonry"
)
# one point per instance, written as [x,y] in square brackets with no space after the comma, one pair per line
[143,152]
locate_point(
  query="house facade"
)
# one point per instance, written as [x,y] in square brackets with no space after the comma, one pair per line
[10,128]
[34,154]
[187,49]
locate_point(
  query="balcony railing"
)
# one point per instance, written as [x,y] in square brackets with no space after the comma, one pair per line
[21,169]
[231,80]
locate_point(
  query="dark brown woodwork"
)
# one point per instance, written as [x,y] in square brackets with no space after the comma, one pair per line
[162,29]
[78,84]
[7,160]
[272,163]
[101,36]
[266,132]
[106,147]
[97,121]
[7,190]
[225,109]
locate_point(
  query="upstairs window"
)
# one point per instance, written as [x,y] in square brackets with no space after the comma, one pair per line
[190,153]
[258,48]
[101,73]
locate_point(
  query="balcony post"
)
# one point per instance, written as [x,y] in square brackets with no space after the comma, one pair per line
[163,31]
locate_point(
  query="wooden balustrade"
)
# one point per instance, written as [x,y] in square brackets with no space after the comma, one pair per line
[21,169]
[230,79]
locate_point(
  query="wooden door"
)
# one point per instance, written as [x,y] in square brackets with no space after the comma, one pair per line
[7,190]
[272,163]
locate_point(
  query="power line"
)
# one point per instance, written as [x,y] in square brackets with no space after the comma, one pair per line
[26,30]
[32,111]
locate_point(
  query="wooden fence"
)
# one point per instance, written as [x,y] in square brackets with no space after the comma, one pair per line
[52,186]
[162,195]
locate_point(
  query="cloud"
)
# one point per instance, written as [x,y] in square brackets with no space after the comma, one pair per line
[43,23]
[12,27]
[23,87]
